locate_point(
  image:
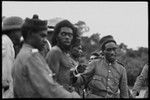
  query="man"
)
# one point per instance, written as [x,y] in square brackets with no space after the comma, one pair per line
[10,39]
[31,74]
[58,58]
[105,77]
[141,79]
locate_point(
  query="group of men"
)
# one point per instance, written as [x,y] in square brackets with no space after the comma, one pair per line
[50,67]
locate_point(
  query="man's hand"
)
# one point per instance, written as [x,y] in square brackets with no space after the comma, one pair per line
[134,94]
[81,68]
[5,85]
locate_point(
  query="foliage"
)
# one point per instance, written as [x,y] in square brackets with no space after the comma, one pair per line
[83,28]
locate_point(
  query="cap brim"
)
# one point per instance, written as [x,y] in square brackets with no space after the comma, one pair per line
[11,28]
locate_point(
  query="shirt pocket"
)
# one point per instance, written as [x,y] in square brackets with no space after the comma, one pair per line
[114,84]
[97,82]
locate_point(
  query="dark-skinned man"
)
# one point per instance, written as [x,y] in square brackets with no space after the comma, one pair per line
[105,77]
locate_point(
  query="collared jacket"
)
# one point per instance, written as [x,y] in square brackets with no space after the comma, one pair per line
[8,56]
[105,80]
[61,64]
[141,79]
[33,78]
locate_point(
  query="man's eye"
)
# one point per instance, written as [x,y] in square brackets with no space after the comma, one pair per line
[70,35]
[63,33]
[108,49]
[43,35]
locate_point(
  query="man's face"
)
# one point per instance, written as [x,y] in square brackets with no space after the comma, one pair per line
[17,35]
[39,39]
[110,51]
[65,36]
[76,51]
[49,36]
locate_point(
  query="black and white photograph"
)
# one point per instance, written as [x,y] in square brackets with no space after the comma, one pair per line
[75,49]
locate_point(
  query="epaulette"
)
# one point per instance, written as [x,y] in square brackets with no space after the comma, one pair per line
[35,50]
[120,63]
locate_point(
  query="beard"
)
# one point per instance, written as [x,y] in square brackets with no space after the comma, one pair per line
[63,46]
[111,59]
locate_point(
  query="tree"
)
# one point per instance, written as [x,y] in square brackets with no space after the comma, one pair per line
[83,28]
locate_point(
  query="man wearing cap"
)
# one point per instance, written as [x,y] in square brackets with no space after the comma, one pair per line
[59,59]
[31,74]
[105,77]
[10,40]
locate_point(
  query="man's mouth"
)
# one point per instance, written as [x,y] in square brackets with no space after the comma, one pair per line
[67,42]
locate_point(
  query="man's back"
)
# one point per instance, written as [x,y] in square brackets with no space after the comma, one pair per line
[33,78]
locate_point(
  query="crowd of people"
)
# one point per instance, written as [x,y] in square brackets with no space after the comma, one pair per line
[42,61]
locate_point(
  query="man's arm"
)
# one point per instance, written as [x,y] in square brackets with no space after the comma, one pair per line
[53,60]
[42,80]
[140,81]
[123,85]
[85,77]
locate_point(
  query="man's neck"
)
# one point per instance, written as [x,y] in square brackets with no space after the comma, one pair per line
[109,62]
[64,48]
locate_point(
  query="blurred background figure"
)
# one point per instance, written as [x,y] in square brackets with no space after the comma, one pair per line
[11,34]
[94,56]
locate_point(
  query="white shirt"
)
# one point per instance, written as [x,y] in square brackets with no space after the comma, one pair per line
[8,56]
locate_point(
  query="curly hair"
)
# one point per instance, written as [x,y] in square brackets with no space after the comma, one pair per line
[64,23]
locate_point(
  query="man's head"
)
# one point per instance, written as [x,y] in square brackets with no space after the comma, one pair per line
[108,47]
[12,27]
[35,31]
[64,33]
[50,33]
[76,49]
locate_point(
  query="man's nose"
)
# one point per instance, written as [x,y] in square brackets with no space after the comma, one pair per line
[44,40]
[67,36]
[112,52]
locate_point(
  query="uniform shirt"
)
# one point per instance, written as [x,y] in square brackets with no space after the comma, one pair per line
[143,77]
[105,80]
[61,64]
[33,78]
[8,56]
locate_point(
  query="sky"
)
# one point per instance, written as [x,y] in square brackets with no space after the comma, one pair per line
[127,22]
